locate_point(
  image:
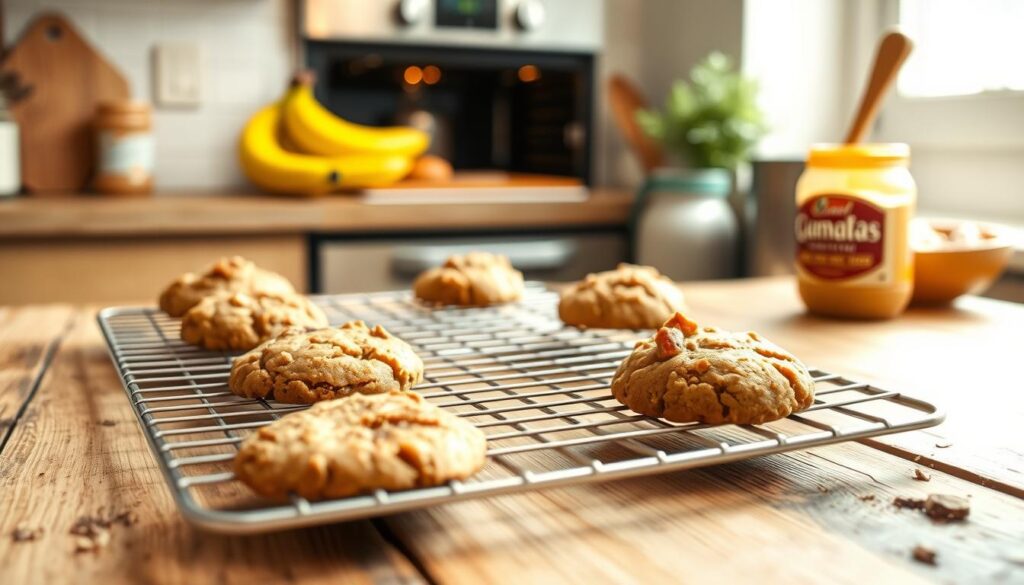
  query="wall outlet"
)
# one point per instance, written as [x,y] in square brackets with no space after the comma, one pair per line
[177,74]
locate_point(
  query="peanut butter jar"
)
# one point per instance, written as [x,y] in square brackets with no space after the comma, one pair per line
[854,204]
[125,150]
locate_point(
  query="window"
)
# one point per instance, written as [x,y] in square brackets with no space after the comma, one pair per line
[962,47]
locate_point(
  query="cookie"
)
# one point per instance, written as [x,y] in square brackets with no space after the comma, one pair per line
[689,374]
[234,274]
[475,279]
[334,449]
[303,367]
[629,297]
[235,320]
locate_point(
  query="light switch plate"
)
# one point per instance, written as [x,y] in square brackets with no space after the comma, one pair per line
[177,74]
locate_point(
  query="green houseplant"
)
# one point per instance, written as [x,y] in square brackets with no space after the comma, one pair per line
[711,122]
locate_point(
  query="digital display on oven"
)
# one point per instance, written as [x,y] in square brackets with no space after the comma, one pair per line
[467,13]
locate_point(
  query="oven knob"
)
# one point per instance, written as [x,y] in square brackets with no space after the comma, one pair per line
[530,14]
[411,12]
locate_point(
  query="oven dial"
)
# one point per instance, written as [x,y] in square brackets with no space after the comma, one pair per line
[411,12]
[530,14]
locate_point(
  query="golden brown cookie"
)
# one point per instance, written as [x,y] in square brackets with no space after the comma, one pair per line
[234,274]
[303,367]
[357,444]
[475,279]
[689,374]
[235,320]
[629,297]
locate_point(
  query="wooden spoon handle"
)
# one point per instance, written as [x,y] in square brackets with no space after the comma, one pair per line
[626,100]
[892,52]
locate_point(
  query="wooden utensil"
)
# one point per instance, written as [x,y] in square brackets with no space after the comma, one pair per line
[67,79]
[892,52]
[626,100]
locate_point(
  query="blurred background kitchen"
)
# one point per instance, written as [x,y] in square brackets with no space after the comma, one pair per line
[559,134]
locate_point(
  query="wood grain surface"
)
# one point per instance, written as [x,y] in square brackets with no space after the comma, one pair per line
[77,451]
[231,214]
[68,79]
[802,517]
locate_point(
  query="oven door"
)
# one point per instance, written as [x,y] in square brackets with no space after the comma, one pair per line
[377,264]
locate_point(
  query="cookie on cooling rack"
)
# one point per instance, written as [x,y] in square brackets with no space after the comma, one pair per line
[686,373]
[302,366]
[357,444]
[629,297]
[235,320]
[234,274]
[476,279]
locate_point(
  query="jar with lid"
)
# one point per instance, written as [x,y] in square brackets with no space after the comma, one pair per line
[124,135]
[684,226]
[854,203]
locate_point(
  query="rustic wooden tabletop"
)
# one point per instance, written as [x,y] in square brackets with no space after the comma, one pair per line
[71,449]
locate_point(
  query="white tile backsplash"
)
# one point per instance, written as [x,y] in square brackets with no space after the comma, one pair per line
[247,48]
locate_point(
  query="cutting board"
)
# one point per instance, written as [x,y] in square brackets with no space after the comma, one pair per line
[66,79]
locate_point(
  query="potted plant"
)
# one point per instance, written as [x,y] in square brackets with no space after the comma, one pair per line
[710,124]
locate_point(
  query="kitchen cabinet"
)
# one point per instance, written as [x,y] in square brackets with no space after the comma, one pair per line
[90,249]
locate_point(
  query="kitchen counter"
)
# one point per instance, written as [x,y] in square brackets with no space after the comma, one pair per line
[234,214]
[71,448]
[100,240]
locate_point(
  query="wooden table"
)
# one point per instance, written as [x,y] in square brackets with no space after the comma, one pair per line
[71,447]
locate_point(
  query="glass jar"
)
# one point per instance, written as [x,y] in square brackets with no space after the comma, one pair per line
[124,134]
[854,204]
[684,226]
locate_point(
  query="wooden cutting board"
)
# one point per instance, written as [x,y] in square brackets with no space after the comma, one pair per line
[67,79]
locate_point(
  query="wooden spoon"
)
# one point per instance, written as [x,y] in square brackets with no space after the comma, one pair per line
[892,52]
[626,100]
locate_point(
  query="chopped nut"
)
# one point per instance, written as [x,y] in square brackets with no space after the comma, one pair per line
[680,322]
[866,497]
[911,503]
[947,508]
[923,554]
[25,534]
[669,341]
[921,476]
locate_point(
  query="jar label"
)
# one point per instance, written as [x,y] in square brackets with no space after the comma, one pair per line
[840,237]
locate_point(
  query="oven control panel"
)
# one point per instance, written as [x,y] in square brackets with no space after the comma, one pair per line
[546,25]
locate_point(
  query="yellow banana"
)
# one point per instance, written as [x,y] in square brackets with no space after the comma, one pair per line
[318,131]
[273,168]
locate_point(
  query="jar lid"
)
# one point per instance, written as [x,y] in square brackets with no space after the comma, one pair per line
[714,182]
[859,155]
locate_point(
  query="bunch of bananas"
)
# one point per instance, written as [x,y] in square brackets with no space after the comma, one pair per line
[329,153]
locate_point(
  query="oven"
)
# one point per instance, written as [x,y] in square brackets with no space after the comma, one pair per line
[500,85]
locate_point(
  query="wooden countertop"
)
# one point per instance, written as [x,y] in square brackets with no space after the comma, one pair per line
[71,446]
[225,214]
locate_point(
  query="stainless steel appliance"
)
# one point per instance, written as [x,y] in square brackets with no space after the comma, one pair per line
[368,264]
[500,84]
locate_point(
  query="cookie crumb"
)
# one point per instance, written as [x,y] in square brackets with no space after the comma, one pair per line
[946,508]
[921,476]
[866,498]
[908,503]
[923,554]
[25,534]
[944,444]
[93,532]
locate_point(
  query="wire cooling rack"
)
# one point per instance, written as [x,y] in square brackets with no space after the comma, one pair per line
[538,389]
